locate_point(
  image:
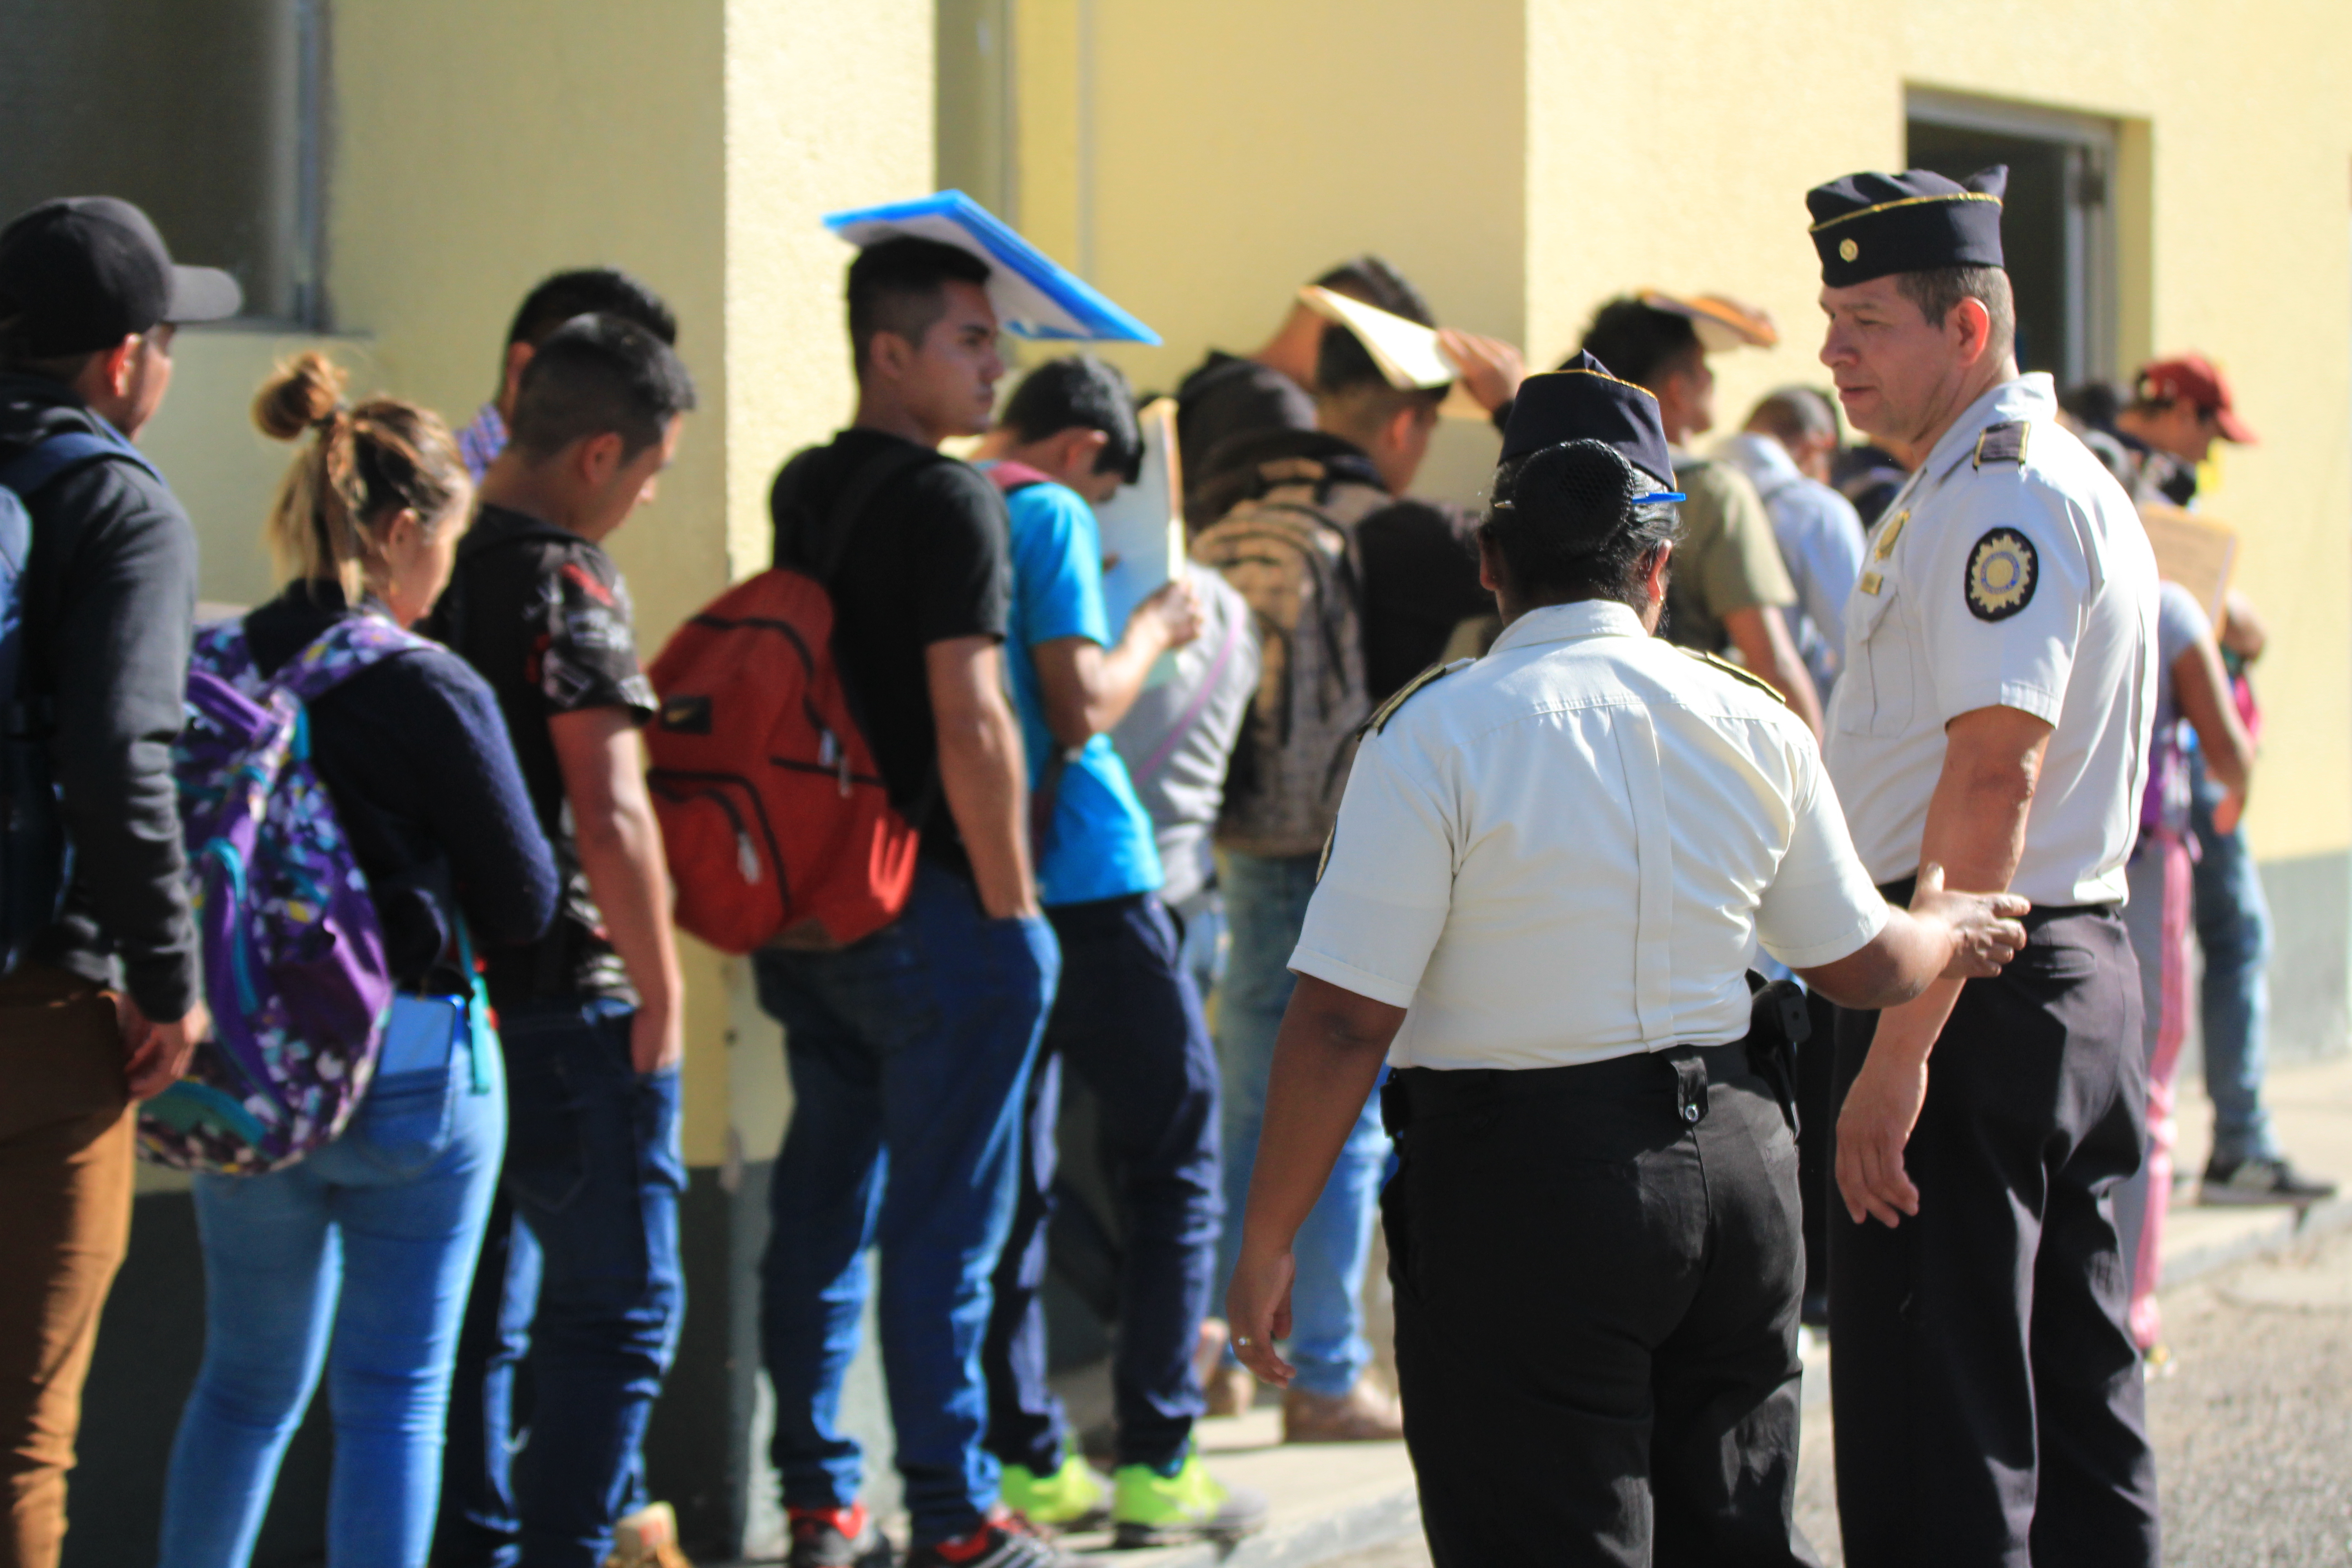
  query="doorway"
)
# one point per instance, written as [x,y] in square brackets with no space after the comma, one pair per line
[2057,219]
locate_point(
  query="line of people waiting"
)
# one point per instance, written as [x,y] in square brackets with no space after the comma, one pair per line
[1067,915]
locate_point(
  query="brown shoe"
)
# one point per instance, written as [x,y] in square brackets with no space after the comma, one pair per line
[1362,1415]
[1231,1390]
[647,1539]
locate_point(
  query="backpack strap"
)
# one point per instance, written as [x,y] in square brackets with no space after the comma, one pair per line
[866,486]
[1013,478]
[1201,700]
[38,465]
[341,651]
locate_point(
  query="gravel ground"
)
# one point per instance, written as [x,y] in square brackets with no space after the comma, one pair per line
[2252,1424]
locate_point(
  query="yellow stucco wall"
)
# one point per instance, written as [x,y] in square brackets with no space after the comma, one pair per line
[1199,163]
[1524,160]
[476,149]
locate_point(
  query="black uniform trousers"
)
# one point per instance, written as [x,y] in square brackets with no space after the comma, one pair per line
[1986,1391]
[1597,1272]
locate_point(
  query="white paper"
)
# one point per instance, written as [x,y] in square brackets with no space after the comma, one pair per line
[1143,526]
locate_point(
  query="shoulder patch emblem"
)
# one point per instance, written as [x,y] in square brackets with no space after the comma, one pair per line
[1740,673]
[1405,693]
[2001,575]
[2004,443]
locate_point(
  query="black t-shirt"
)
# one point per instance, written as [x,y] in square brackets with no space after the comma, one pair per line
[1420,558]
[541,613]
[414,755]
[1225,397]
[929,562]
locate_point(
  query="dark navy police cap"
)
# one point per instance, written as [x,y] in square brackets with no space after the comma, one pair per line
[1868,226]
[1581,401]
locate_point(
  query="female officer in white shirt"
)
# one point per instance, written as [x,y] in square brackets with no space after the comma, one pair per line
[1546,875]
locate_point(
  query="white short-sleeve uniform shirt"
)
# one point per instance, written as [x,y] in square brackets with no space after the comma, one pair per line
[1562,852]
[2012,570]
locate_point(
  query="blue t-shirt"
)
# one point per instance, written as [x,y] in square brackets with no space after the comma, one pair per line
[1099,843]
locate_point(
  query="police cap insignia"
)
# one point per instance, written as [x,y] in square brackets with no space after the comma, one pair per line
[2004,443]
[2002,572]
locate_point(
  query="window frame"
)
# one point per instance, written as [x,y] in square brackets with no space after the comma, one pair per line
[2092,278]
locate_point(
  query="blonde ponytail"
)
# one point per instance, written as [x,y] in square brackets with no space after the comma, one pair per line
[362,465]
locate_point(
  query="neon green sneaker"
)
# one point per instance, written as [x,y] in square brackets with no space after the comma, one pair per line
[1153,1509]
[1072,1498]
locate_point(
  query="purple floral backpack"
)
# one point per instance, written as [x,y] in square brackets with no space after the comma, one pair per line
[293,954]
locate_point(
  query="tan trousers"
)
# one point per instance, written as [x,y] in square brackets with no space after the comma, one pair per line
[66,1137]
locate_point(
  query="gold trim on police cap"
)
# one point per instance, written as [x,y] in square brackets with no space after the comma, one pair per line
[1901,201]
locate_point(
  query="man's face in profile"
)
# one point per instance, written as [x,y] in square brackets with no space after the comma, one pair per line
[949,381]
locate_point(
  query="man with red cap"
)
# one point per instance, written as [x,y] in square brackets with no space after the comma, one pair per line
[2178,408]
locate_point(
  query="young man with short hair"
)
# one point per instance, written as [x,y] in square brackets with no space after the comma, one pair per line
[1418,580]
[584,291]
[89,299]
[913,1046]
[1730,587]
[1127,1020]
[591,1015]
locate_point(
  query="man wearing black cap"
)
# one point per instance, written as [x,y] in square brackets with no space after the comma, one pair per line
[1548,871]
[103,1005]
[1994,718]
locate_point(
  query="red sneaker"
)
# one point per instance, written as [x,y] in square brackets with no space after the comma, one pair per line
[836,1538]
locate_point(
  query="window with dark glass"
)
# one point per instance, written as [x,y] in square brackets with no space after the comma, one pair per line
[205,112]
[2057,227]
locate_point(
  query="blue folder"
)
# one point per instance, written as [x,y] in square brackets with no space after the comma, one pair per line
[1034,296]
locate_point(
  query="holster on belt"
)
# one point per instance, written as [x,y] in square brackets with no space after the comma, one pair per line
[1778,1024]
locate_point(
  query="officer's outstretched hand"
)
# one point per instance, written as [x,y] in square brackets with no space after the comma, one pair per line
[1257,1310]
[1985,933]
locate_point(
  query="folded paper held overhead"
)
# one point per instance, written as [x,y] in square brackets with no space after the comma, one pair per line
[1034,296]
[1408,353]
[1142,526]
[1721,324]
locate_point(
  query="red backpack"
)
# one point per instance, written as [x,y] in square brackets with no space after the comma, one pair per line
[778,825]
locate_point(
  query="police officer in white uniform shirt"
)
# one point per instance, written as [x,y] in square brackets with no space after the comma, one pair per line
[1993,718]
[1547,868]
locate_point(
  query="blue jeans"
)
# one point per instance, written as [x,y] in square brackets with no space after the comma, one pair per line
[910,1053]
[591,1288]
[2233,923]
[1127,1023]
[1265,905]
[368,1245]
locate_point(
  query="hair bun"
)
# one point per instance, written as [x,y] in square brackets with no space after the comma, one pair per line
[306,391]
[1585,485]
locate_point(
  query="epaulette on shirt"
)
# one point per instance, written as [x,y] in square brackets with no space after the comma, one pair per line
[1744,675]
[2004,443]
[1387,710]
[1378,721]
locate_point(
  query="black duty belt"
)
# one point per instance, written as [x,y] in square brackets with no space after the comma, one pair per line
[1898,893]
[1778,1024]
